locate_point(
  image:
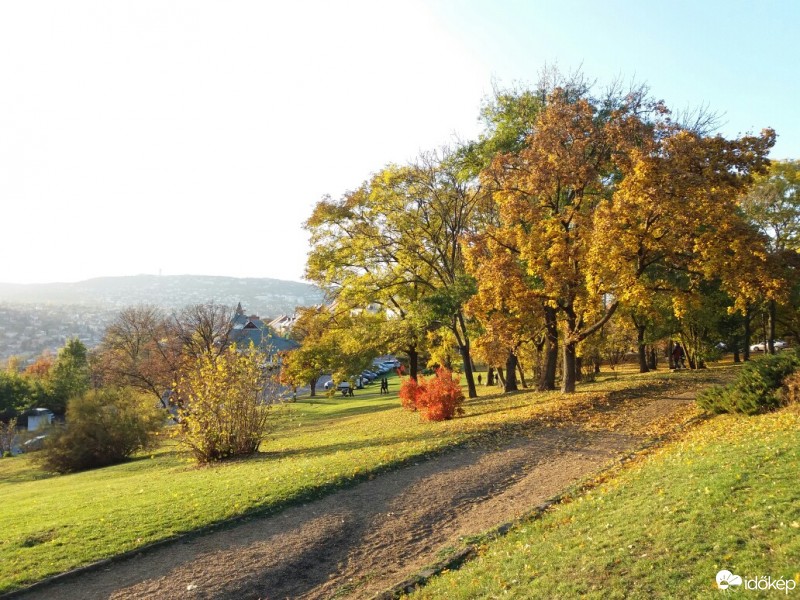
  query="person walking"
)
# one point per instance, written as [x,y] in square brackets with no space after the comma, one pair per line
[678,356]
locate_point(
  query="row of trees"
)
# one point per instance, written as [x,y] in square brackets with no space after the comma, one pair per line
[144,348]
[572,220]
[114,397]
[47,383]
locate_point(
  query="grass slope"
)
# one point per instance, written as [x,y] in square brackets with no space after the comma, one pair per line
[726,496]
[50,524]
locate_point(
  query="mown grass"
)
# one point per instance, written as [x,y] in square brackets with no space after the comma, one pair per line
[50,524]
[726,496]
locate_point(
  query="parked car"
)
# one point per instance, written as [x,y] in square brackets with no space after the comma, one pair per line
[34,444]
[761,347]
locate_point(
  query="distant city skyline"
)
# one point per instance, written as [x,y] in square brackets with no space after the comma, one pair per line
[195,138]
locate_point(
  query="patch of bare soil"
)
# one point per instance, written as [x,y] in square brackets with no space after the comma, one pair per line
[360,541]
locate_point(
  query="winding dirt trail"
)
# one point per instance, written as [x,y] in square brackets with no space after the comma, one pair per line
[360,541]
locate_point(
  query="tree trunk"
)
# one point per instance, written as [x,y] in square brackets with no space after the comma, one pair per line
[522,375]
[771,326]
[462,337]
[490,376]
[670,348]
[653,360]
[413,363]
[640,329]
[500,379]
[313,385]
[511,373]
[690,354]
[548,378]
[747,320]
[464,349]
[736,357]
[578,368]
[568,379]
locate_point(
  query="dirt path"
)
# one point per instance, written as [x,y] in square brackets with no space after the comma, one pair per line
[360,541]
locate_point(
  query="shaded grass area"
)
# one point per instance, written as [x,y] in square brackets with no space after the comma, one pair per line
[725,496]
[50,524]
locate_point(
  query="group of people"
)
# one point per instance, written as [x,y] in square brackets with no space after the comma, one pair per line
[384,385]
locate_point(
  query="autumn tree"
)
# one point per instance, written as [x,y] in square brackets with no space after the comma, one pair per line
[202,329]
[510,117]
[395,242]
[507,307]
[341,343]
[604,192]
[137,350]
[41,367]
[306,364]
[773,207]
[147,349]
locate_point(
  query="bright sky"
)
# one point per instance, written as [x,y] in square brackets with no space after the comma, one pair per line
[196,136]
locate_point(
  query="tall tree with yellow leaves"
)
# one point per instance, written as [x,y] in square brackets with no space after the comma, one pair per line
[606,198]
[395,243]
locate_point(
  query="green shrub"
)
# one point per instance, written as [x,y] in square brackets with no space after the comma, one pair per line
[756,389]
[103,427]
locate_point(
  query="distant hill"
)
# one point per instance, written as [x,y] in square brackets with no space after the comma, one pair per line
[262,296]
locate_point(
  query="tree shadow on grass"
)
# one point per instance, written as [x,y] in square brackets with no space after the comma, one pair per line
[377,443]
[349,411]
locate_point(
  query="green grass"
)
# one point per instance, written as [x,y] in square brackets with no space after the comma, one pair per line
[726,496]
[50,524]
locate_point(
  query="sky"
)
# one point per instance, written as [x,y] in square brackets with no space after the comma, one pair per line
[195,137]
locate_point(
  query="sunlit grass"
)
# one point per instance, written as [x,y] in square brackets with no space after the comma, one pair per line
[49,524]
[726,496]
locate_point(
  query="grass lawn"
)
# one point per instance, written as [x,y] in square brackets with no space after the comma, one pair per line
[50,524]
[725,496]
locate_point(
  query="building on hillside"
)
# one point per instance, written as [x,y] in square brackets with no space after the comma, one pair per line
[283,324]
[250,328]
[38,418]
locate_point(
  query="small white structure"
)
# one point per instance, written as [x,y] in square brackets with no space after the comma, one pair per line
[38,418]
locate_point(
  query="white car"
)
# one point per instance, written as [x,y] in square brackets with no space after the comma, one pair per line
[760,347]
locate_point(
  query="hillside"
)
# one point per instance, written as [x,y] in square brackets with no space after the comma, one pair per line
[36,317]
[267,297]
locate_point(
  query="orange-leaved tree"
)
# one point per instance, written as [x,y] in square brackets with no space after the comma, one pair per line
[606,198]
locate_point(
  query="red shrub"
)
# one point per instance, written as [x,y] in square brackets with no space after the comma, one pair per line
[410,393]
[437,399]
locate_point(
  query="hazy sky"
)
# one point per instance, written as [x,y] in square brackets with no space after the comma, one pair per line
[195,137]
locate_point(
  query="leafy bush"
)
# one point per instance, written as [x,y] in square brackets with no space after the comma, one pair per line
[8,432]
[756,389]
[223,401]
[437,399]
[790,392]
[410,392]
[103,427]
